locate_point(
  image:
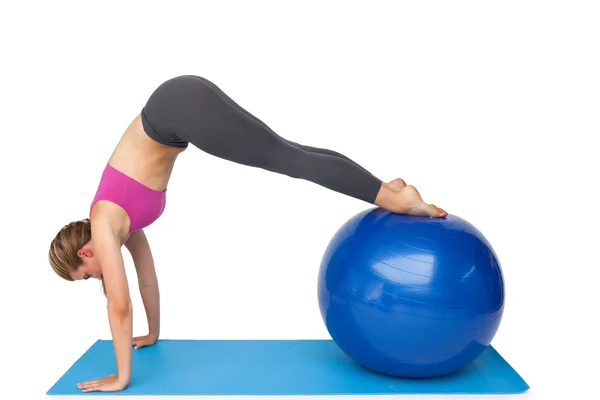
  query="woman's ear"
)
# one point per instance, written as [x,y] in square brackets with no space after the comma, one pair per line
[81,253]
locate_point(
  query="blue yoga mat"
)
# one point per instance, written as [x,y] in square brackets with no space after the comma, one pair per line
[273,367]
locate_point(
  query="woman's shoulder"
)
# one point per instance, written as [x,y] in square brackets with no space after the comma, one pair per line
[107,216]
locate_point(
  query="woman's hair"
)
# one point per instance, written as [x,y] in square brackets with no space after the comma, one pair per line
[64,247]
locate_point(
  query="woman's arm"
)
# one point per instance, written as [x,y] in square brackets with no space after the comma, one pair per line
[138,246]
[107,247]
[109,223]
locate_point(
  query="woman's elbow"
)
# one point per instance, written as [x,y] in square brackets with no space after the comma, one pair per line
[120,308]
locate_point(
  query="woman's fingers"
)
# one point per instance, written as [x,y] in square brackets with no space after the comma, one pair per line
[143,341]
[90,385]
[109,383]
[137,341]
[92,388]
[87,384]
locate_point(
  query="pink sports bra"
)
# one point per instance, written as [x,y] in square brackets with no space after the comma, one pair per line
[142,204]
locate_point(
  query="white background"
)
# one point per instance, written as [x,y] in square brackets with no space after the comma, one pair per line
[490,109]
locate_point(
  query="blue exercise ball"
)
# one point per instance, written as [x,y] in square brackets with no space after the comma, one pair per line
[412,297]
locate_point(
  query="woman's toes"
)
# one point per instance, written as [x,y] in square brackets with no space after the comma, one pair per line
[439,212]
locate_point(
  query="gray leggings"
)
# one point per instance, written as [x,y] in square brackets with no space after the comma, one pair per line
[191,109]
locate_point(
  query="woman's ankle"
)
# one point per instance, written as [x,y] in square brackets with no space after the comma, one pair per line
[385,197]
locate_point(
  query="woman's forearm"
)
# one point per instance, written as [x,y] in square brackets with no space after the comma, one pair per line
[147,281]
[151,299]
[121,326]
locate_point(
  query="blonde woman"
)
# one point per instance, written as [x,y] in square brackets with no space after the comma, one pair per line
[133,187]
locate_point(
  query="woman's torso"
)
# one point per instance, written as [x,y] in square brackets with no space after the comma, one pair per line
[143,159]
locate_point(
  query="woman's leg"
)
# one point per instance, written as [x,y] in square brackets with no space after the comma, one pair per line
[395,184]
[194,110]
[311,149]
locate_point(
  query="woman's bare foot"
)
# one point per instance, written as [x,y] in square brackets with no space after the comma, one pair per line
[396,184]
[407,201]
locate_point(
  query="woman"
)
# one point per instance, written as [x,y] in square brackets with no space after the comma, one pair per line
[132,192]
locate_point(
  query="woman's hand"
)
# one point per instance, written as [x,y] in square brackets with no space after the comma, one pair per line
[109,384]
[143,341]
